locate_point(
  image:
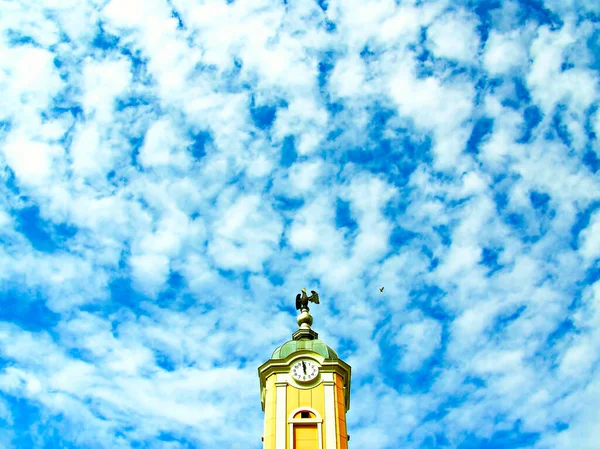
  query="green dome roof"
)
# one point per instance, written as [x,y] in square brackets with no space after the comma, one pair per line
[297,345]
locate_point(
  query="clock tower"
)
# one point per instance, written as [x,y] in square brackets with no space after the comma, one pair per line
[305,390]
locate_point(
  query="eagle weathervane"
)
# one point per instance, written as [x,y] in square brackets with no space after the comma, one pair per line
[302,299]
[305,319]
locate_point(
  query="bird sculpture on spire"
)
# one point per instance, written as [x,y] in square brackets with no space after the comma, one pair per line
[302,299]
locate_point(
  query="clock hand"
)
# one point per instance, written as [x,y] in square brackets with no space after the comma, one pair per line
[304,367]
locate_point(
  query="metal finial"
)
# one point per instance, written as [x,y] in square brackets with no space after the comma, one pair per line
[305,319]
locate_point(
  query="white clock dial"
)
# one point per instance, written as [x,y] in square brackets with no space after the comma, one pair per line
[304,370]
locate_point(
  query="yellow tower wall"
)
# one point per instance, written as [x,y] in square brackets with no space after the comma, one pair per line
[313,398]
[298,397]
[340,413]
[270,418]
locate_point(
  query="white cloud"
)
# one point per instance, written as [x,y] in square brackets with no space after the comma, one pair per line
[590,239]
[164,147]
[246,234]
[418,339]
[103,82]
[305,177]
[430,102]
[440,107]
[589,314]
[454,36]
[404,23]
[126,14]
[549,84]
[504,52]
[34,163]
[306,119]
[29,80]
[348,77]
[596,124]
[86,153]
[150,271]
[578,360]
[368,196]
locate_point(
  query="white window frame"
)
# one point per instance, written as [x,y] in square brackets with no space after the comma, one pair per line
[317,420]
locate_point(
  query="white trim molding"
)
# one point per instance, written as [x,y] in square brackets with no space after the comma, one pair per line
[304,409]
[329,415]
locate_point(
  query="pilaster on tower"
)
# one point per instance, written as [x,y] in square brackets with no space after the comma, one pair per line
[305,390]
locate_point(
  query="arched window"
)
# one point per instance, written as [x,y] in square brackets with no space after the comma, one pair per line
[305,426]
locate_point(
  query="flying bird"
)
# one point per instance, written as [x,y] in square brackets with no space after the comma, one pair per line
[381,289]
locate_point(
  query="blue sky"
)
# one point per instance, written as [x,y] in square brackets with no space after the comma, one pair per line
[174,171]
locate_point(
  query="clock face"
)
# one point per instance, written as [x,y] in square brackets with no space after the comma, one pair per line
[304,370]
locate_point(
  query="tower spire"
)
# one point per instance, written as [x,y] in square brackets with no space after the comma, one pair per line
[305,319]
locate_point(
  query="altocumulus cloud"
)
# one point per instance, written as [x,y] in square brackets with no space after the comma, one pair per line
[173,172]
